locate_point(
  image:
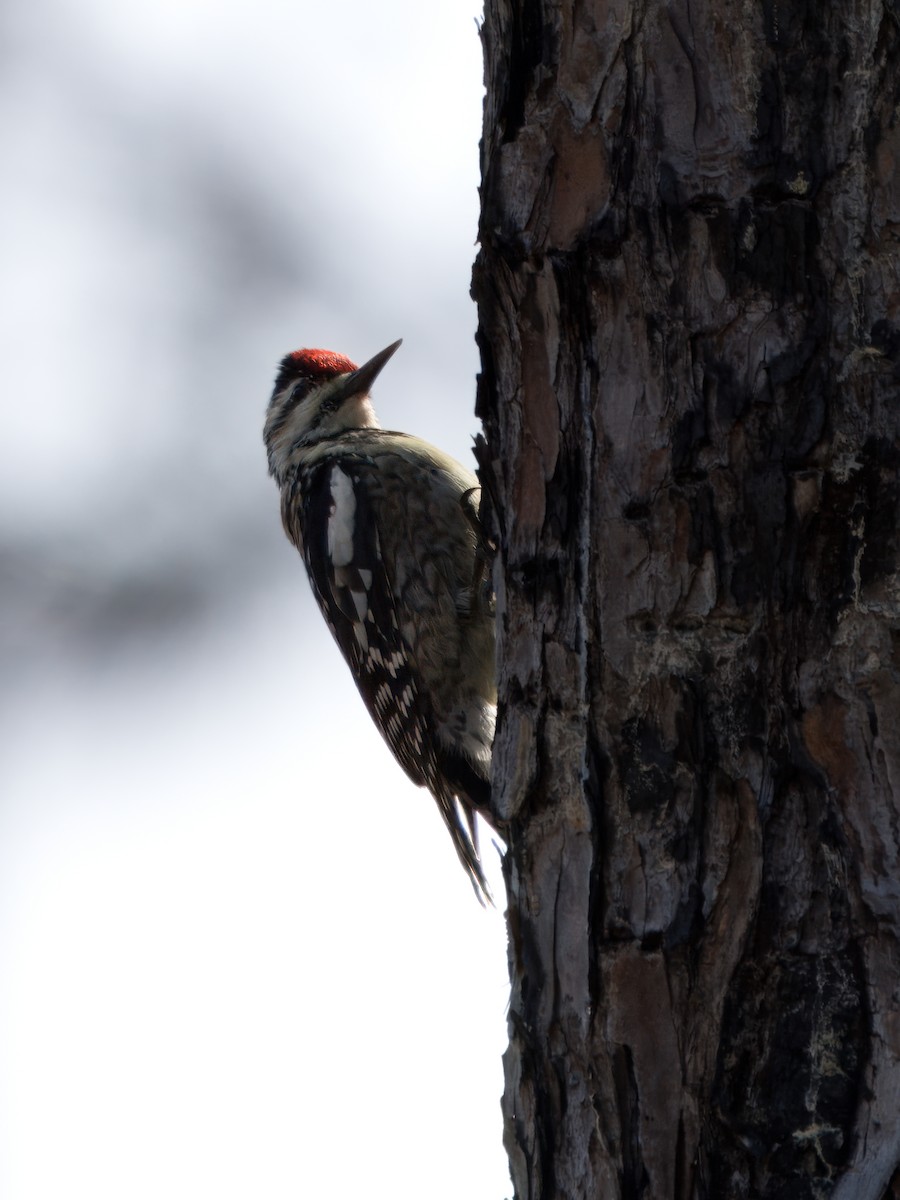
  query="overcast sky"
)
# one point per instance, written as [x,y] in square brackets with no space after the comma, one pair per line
[238,957]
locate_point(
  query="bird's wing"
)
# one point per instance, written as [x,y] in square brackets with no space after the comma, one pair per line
[342,547]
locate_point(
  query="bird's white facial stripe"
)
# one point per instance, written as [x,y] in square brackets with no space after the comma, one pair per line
[297,430]
[342,519]
[358,413]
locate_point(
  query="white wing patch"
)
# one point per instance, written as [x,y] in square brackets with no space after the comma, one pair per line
[342,518]
[340,544]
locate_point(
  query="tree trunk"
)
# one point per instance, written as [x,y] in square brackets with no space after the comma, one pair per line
[690,334]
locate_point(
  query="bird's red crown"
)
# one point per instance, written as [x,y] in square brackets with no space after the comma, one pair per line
[321,362]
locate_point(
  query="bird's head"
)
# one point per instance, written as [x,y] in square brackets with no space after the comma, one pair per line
[317,395]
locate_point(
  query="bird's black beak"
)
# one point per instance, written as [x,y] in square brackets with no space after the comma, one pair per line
[359,382]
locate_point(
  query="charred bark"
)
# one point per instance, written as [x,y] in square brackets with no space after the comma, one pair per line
[689,299]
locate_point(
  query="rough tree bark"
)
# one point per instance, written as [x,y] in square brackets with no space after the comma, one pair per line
[690,334]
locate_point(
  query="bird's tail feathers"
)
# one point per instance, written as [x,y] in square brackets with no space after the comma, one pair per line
[460,819]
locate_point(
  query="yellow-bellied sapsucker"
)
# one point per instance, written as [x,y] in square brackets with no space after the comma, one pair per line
[388,528]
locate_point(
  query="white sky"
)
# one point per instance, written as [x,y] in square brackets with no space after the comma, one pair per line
[238,956]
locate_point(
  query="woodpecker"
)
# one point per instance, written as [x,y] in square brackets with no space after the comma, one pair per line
[388,528]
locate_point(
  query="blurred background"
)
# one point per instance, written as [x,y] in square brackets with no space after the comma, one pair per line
[238,956]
